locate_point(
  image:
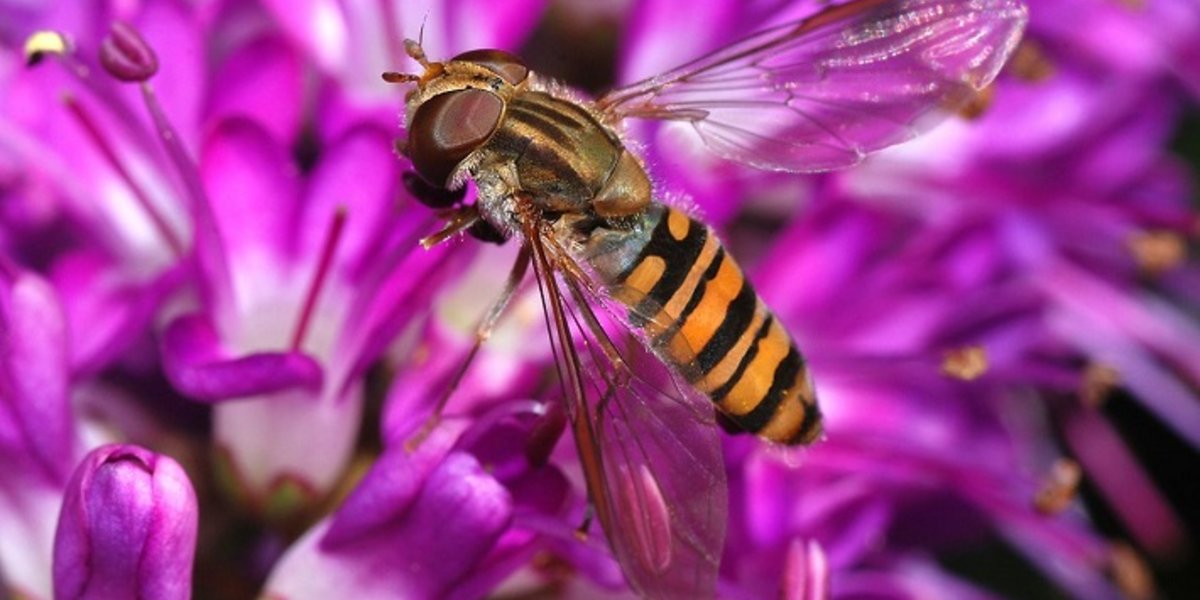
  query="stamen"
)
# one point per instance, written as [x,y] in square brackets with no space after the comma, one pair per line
[314,289]
[51,43]
[85,120]
[126,56]
[204,222]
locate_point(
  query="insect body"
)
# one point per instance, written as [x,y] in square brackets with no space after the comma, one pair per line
[700,313]
[552,169]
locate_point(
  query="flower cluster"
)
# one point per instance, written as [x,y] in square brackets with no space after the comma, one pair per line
[218,329]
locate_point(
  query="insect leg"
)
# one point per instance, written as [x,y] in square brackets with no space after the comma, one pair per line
[483,331]
[589,512]
[567,361]
[458,220]
[433,196]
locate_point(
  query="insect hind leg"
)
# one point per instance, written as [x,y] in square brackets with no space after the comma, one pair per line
[483,331]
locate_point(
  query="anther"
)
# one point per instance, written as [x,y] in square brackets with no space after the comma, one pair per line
[126,55]
[42,43]
[966,363]
[1158,251]
[1060,488]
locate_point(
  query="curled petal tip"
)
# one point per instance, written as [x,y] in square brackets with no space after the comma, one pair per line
[124,54]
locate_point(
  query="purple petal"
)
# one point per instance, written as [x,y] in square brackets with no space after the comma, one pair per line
[471,24]
[199,366]
[253,188]
[425,552]
[127,528]
[318,25]
[359,174]
[36,422]
[262,80]
[388,489]
[107,311]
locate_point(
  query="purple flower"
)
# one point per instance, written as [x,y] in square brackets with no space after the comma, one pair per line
[203,200]
[127,528]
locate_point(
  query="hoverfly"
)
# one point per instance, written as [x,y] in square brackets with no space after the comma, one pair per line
[553,170]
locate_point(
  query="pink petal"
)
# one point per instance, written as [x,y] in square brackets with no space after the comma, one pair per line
[262,80]
[253,187]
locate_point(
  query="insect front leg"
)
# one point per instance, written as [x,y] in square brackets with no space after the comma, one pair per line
[483,331]
[458,220]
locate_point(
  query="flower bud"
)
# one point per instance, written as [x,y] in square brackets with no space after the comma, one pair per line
[126,55]
[127,528]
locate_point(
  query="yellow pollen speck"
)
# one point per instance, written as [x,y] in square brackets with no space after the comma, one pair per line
[1098,380]
[1157,252]
[44,42]
[966,363]
[1060,487]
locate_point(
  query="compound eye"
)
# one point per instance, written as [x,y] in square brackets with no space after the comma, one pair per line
[449,127]
[507,66]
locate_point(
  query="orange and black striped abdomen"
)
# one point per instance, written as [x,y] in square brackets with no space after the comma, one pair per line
[702,315]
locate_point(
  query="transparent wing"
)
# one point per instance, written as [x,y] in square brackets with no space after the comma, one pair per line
[649,447]
[819,93]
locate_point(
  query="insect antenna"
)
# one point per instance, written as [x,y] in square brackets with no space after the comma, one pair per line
[394,77]
[414,50]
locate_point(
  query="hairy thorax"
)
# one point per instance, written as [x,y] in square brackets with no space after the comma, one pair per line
[554,154]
